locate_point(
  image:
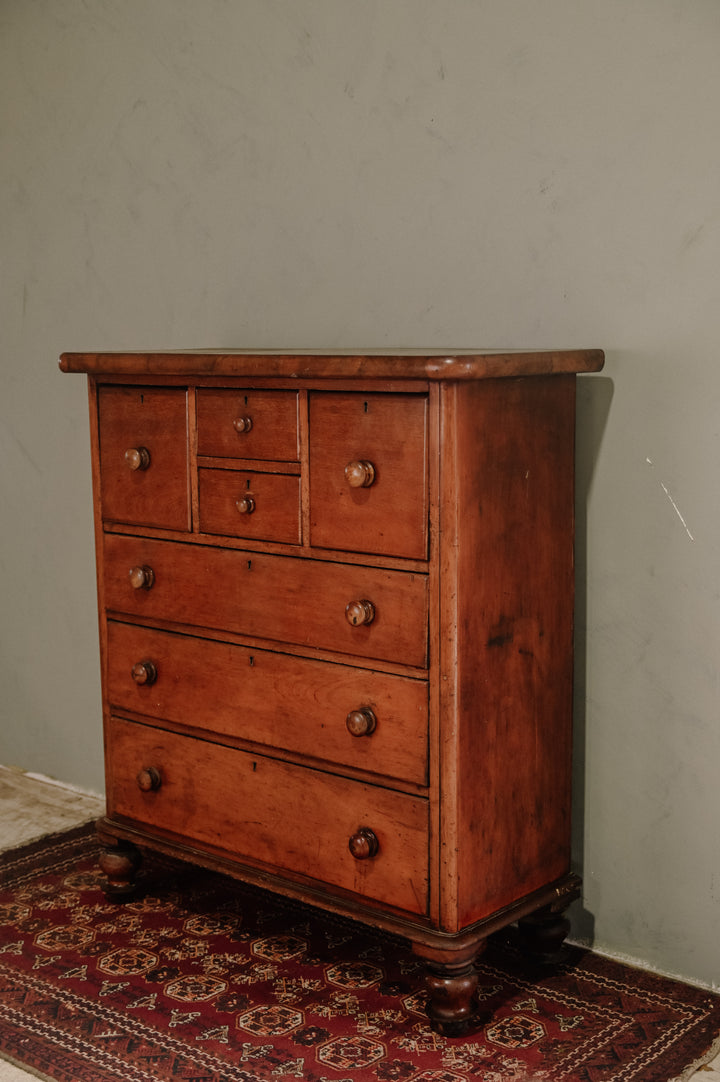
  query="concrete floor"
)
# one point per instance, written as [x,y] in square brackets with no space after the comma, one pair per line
[31,806]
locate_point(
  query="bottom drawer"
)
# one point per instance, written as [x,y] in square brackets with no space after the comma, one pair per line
[287,817]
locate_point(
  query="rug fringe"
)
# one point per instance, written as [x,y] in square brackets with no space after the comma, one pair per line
[703,1061]
[24,1067]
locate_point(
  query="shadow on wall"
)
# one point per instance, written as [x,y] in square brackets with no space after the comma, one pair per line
[594,398]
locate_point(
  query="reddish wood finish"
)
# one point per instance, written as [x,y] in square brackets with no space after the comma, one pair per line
[237,503]
[509,729]
[404,365]
[248,424]
[270,597]
[382,441]
[410,514]
[270,698]
[240,803]
[144,456]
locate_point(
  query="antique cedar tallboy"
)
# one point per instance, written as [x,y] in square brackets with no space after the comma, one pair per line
[336,604]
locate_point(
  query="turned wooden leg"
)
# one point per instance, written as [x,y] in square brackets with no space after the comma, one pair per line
[451,982]
[119,862]
[542,935]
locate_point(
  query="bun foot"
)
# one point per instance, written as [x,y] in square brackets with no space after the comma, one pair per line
[542,936]
[119,863]
[451,984]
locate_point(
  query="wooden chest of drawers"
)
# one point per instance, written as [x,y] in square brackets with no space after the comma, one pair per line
[336,609]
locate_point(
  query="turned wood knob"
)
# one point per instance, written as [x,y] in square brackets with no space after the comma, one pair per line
[359,474]
[361,722]
[245,505]
[359,612]
[142,578]
[363,844]
[137,458]
[144,672]
[149,779]
[242,424]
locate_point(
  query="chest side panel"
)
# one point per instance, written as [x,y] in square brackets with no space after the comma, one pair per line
[514,457]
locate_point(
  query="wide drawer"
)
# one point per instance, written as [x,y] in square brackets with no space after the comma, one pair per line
[296,704]
[368,473]
[287,817]
[144,475]
[236,503]
[280,598]
[248,424]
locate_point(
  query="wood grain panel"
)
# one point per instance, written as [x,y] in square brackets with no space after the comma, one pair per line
[274,424]
[275,509]
[271,597]
[154,419]
[390,432]
[513,714]
[289,817]
[292,703]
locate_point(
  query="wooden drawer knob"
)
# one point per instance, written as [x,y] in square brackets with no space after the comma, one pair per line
[361,722]
[359,474]
[359,612]
[149,779]
[137,458]
[144,672]
[245,505]
[363,844]
[142,578]
[242,424]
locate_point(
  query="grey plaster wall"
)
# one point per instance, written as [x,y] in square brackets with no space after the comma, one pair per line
[329,174]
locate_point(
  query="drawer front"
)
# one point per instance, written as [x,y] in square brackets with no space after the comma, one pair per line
[368,473]
[288,817]
[263,506]
[248,424]
[144,473]
[271,597]
[296,704]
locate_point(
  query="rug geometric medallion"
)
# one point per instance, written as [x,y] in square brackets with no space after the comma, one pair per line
[204,979]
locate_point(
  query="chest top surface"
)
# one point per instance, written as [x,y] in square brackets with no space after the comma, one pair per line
[400,364]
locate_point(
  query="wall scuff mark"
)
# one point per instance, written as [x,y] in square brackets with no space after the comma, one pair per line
[664,487]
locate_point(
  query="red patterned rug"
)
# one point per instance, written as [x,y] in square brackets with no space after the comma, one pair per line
[206,980]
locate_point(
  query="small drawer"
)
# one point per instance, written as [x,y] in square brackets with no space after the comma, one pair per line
[349,716]
[262,506]
[269,812]
[144,473]
[281,598]
[368,473]
[248,424]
